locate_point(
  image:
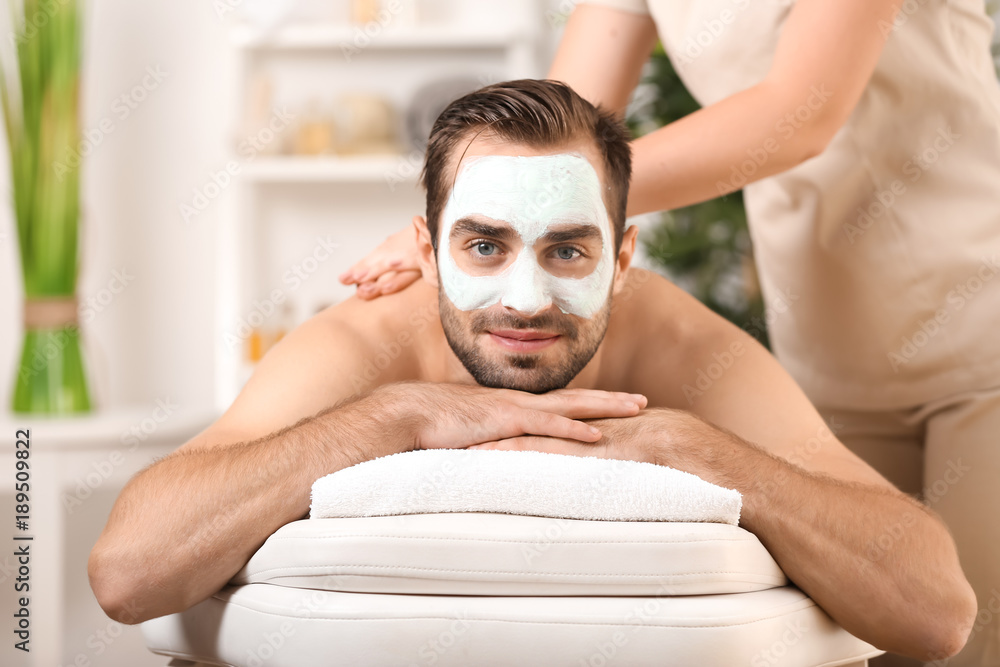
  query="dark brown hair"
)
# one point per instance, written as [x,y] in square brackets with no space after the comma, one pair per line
[540,113]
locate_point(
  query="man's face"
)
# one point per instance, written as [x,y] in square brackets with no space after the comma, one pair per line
[525,263]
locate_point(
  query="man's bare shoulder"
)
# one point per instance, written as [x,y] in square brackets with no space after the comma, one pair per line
[387,333]
[684,356]
[651,309]
[343,351]
[667,333]
[386,316]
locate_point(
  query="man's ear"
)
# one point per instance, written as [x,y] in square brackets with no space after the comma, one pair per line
[625,255]
[425,251]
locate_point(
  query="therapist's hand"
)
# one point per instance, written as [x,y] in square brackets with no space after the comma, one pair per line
[389,268]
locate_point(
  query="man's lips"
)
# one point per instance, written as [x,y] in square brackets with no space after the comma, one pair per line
[522,340]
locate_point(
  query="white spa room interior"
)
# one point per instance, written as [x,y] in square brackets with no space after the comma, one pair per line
[536,332]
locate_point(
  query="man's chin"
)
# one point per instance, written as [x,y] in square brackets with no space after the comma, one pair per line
[523,372]
[520,384]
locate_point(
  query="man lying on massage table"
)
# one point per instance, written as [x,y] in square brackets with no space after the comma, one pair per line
[529,331]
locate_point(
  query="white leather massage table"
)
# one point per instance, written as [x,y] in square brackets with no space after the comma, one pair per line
[476,588]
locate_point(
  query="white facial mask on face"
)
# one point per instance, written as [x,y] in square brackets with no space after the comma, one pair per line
[530,194]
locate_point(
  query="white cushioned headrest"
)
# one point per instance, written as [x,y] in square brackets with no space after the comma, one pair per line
[502,554]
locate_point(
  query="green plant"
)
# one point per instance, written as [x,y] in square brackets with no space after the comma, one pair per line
[39,93]
[704,248]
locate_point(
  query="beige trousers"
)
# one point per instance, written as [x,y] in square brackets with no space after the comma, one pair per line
[946,452]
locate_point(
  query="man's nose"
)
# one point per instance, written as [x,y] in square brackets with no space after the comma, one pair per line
[526,293]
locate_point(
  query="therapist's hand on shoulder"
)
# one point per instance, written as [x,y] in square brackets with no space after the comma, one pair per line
[391,267]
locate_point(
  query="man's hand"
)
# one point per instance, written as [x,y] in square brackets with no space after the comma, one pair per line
[438,415]
[644,437]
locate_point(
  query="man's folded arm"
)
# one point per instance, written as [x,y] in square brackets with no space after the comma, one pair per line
[183,526]
[881,564]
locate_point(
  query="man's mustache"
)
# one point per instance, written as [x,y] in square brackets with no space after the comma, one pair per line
[563,326]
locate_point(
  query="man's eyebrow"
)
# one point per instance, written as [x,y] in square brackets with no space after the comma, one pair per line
[470,226]
[575,233]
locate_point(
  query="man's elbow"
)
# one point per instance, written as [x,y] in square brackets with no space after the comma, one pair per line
[947,636]
[941,644]
[120,599]
[936,631]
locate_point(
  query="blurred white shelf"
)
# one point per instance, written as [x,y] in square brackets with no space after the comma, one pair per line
[103,429]
[361,169]
[354,38]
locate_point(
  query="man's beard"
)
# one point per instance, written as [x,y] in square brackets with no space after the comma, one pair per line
[581,346]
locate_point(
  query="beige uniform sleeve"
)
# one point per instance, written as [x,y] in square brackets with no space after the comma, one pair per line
[634,6]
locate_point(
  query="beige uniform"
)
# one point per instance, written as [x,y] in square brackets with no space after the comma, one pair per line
[880,258]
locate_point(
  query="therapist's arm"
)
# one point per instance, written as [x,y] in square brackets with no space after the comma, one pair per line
[825,56]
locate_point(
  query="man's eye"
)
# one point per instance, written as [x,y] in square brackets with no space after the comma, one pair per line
[567,253]
[485,248]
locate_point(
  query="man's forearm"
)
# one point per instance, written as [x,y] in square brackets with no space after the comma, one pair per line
[184,526]
[878,562]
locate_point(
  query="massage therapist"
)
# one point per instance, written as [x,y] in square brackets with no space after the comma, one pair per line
[866,136]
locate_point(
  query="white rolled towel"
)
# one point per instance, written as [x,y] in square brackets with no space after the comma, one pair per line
[528,483]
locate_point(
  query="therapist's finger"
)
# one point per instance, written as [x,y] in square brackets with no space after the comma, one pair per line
[380,264]
[355,274]
[372,289]
[395,281]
